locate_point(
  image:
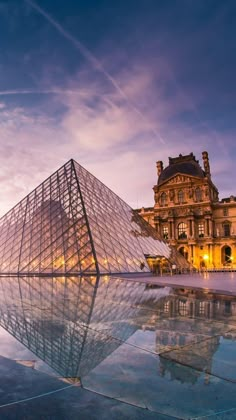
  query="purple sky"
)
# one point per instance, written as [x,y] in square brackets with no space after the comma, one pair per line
[116,86]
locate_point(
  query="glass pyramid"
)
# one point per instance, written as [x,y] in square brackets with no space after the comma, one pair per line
[72,223]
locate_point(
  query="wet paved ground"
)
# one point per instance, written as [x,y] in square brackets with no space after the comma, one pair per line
[218,282]
[144,353]
[47,398]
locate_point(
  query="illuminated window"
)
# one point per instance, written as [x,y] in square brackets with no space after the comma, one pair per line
[182,307]
[166,306]
[163,199]
[201,308]
[198,194]
[180,197]
[182,231]
[226,255]
[165,232]
[201,230]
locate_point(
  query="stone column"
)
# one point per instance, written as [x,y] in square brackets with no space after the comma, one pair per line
[206,223]
[210,253]
[210,228]
[171,227]
[193,254]
[190,227]
[173,230]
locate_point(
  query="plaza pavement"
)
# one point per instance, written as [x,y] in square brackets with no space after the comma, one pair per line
[221,282]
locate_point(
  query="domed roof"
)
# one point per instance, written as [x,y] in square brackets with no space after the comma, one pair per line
[187,165]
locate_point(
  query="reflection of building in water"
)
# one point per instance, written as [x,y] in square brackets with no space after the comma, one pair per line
[182,372]
[200,304]
[69,322]
[186,320]
[178,372]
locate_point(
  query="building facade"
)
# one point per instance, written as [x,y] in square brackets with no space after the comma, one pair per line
[188,214]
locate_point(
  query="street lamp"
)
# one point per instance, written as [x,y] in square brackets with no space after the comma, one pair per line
[206,259]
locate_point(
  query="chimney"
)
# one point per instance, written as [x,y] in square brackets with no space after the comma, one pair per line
[206,164]
[159,167]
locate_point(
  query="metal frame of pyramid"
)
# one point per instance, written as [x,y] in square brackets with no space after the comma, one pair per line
[73,224]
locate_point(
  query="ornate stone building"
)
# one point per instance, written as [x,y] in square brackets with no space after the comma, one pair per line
[189,215]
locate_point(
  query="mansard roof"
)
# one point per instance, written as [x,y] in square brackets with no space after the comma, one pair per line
[187,165]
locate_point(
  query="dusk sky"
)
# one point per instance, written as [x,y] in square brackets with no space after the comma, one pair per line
[116,85]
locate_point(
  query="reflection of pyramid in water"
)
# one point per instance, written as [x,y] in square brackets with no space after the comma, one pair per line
[70,322]
[72,223]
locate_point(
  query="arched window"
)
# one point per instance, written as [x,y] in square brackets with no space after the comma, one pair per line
[180,197]
[184,251]
[182,230]
[198,194]
[226,255]
[163,199]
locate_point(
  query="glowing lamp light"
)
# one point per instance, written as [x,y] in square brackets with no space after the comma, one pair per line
[206,257]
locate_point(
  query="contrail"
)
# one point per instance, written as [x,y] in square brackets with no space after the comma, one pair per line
[43,92]
[93,60]
[56,91]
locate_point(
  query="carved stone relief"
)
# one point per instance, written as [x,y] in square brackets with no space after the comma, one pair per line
[164,214]
[181,212]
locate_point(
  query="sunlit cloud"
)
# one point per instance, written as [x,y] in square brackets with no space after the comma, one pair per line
[101,132]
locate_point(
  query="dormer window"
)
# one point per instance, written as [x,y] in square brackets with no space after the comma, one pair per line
[198,194]
[163,199]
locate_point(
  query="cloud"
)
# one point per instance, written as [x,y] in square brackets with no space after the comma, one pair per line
[103,121]
[95,63]
[98,128]
[96,125]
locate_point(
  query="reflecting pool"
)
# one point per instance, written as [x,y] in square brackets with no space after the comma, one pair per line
[111,348]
